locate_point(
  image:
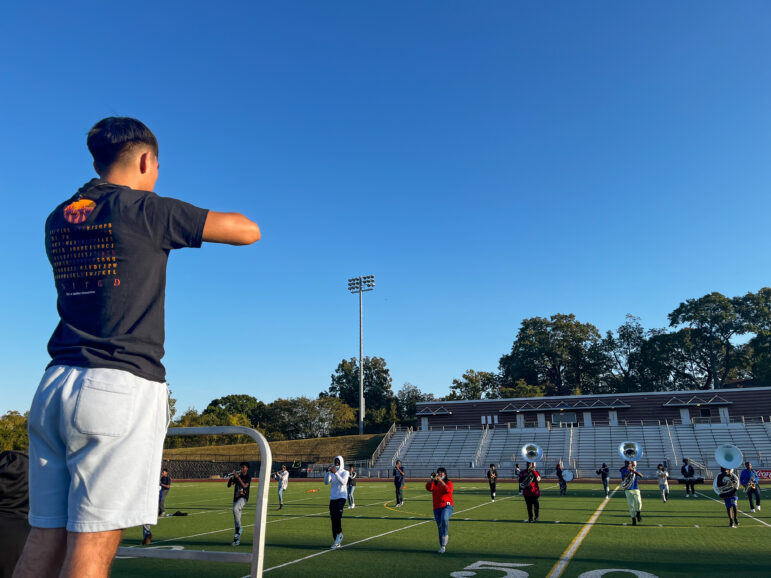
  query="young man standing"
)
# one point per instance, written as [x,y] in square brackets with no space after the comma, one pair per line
[604,472]
[492,478]
[663,475]
[629,476]
[399,483]
[102,405]
[688,477]
[750,480]
[283,483]
[165,483]
[727,483]
[352,475]
[165,487]
[242,481]
[531,491]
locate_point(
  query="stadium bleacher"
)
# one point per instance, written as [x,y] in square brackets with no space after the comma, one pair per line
[469,451]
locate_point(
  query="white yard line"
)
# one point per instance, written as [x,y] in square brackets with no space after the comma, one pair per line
[327,551]
[740,511]
[564,560]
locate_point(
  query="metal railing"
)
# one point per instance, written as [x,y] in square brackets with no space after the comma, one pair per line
[401,445]
[256,557]
[382,445]
[480,447]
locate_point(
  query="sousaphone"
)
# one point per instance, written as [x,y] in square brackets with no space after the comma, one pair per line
[729,457]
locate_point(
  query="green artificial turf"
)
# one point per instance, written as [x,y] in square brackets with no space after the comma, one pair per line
[684,537]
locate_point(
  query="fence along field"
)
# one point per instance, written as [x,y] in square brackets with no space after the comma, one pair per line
[683,537]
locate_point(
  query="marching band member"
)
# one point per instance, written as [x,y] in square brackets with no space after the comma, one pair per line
[604,473]
[750,481]
[337,478]
[662,474]
[492,476]
[629,475]
[528,485]
[517,471]
[688,474]
[563,484]
[441,493]
[727,484]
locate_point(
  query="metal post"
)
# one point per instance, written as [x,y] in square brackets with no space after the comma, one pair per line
[359,285]
[361,362]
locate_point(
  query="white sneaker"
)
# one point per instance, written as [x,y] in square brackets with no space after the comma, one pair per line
[441,550]
[352,507]
[752,509]
[686,495]
[758,508]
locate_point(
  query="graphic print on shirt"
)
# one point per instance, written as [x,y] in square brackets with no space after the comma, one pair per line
[83,257]
[79,211]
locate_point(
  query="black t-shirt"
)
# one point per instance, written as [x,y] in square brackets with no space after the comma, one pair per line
[238,490]
[352,479]
[166,481]
[108,246]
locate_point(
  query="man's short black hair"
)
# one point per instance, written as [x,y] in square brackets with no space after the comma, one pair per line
[115,136]
[243,464]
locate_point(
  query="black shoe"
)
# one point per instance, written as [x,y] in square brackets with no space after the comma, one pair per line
[280,506]
[639,517]
[634,522]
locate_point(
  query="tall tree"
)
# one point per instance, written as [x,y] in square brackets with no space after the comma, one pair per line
[407,399]
[623,352]
[714,320]
[377,383]
[474,385]
[560,353]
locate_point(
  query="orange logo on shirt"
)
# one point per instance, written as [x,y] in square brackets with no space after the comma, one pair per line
[79,211]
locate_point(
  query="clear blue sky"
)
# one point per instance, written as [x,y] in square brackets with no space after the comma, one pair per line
[486,161]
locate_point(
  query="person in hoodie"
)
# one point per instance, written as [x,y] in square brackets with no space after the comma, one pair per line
[338,494]
[441,493]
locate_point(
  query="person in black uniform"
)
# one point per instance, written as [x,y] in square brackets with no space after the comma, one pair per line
[492,476]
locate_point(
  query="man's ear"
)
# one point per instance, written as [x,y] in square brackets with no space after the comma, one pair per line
[144,162]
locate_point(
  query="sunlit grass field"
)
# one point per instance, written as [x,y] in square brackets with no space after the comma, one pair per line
[684,537]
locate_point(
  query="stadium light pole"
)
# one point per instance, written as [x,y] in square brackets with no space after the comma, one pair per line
[360,285]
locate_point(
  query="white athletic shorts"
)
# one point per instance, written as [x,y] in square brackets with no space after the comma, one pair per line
[95,449]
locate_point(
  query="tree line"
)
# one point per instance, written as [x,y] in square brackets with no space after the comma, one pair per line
[710,342]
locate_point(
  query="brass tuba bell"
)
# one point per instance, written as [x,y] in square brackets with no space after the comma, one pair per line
[630,451]
[531,452]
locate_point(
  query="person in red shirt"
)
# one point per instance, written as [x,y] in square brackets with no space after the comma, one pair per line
[528,484]
[441,490]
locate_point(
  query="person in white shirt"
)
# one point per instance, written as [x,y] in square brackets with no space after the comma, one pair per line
[283,482]
[663,475]
[338,494]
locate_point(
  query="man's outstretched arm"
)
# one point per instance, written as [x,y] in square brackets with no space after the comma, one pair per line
[230,228]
